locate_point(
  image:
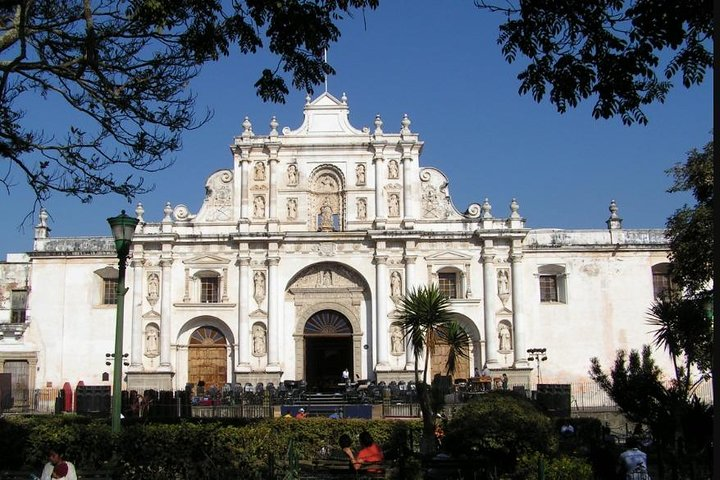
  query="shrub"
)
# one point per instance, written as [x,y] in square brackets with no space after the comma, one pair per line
[497,428]
[562,468]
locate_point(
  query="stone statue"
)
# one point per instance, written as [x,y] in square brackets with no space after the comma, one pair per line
[326,217]
[395,285]
[394,205]
[360,174]
[258,341]
[292,209]
[259,171]
[393,170]
[259,283]
[505,340]
[292,174]
[503,282]
[259,207]
[151,341]
[361,208]
[397,345]
[153,288]
[326,279]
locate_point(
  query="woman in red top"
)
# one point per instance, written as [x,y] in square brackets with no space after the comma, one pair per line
[370,453]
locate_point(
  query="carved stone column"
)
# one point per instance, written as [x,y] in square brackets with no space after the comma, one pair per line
[381,321]
[489,292]
[411,281]
[380,208]
[244,189]
[244,285]
[165,315]
[520,344]
[273,180]
[273,321]
[136,330]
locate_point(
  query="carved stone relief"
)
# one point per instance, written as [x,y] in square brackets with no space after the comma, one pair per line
[259,287]
[362,208]
[393,170]
[292,175]
[259,340]
[394,205]
[259,206]
[259,171]
[152,344]
[292,208]
[153,288]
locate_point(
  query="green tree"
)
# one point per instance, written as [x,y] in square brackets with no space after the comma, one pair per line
[680,423]
[496,429]
[690,228]
[607,49]
[124,67]
[427,319]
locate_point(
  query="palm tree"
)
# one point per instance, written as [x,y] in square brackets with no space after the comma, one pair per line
[426,319]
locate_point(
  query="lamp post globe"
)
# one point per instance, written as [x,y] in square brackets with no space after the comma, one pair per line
[123,230]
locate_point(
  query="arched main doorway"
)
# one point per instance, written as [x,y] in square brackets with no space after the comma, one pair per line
[328,349]
[207,357]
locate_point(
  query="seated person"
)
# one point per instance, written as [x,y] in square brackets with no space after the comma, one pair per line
[370,454]
[57,467]
[345,443]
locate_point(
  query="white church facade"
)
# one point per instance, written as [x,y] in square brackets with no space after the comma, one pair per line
[294,265]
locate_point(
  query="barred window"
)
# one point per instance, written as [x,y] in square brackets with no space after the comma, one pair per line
[110,286]
[18,306]
[552,281]
[662,280]
[447,283]
[209,289]
[548,288]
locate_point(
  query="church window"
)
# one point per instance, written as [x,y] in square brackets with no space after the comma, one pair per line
[552,282]
[18,305]
[108,278]
[448,284]
[209,289]
[548,288]
[110,286]
[662,280]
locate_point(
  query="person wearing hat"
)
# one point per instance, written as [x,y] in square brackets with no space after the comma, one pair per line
[300,413]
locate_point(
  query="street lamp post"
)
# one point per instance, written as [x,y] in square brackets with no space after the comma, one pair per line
[123,229]
[537,354]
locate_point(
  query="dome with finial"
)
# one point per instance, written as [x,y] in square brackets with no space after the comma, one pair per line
[486,207]
[378,125]
[273,126]
[139,211]
[514,208]
[405,125]
[247,128]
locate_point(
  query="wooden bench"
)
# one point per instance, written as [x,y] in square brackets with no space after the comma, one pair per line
[337,467]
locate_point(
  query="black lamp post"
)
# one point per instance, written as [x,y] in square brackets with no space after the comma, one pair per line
[537,354]
[123,229]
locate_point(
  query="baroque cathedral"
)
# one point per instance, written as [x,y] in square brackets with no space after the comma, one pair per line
[295,264]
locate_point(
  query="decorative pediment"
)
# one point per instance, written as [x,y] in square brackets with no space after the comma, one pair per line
[206,261]
[151,315]
[449,256]
[325,115]
[259,313]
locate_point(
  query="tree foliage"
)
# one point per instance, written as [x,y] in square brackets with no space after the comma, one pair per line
[427,318]
[690,229]
[123,66]
[680,423]
[498,428]
[684,329]
[607,49]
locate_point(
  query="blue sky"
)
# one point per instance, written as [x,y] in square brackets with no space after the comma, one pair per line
[441,66]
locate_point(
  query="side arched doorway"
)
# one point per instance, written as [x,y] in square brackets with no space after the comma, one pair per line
[207,357]
[328,347]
